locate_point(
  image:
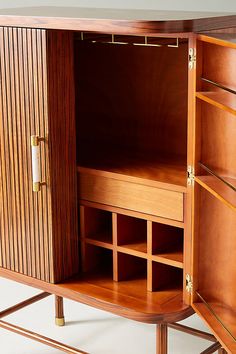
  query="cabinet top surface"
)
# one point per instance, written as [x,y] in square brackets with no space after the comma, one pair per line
[114,20]
[110,14]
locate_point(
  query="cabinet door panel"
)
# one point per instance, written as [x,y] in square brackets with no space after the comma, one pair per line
[25,232]
[214,243]
[38,229]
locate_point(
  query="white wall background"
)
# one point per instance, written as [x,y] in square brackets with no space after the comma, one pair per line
[187,5]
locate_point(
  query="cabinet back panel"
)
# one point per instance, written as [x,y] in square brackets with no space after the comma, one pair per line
[131,98]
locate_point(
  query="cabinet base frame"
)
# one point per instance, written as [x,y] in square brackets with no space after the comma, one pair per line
[201,334]
[32,335]
[161,329]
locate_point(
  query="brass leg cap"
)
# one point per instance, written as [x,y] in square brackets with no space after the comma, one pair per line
[60,321]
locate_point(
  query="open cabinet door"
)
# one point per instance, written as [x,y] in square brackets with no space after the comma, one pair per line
[213,282]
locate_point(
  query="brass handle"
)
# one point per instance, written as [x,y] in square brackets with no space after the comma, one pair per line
[36,171]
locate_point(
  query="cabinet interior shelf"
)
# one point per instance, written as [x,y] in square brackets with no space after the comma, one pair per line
[219,189]
[97,242]
[134,248]
[210,83]
[221,39]
[174,258]
[153,171]
[223,100]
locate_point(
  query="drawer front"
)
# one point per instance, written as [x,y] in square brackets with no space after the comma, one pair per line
[133,196]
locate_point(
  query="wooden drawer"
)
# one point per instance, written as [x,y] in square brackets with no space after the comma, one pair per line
[133,196]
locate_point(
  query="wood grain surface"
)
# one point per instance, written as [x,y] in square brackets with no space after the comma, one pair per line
[127,299]
[26,235]
[214,201]
[62,153]
[115,20]
[150,200]
[37,237]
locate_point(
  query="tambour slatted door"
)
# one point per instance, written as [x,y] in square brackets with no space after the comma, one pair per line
[38,229]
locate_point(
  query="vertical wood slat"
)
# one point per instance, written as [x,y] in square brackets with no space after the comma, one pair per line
[36,129]
[43,128]
[11,184]
[23,127]
[45,176]
[6,185]
[32,131]
[26,129]
[25,235]
[2,170]
[10,113]
[18,147]
[38,231]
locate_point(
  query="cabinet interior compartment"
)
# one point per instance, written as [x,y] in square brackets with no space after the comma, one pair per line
[142,251]
[165,277]
[168,244]
[215,267]
[215,121]
[131,109]
[96,224]
[96,261]
[132,233]
[131,117]
[131,267]
[217,153]
[214,70]
[216,146]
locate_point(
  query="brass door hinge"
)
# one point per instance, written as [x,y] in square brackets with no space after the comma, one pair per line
[190,172]
[192,58]
[189,283]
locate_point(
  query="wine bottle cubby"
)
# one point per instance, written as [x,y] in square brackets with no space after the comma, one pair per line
[131,248]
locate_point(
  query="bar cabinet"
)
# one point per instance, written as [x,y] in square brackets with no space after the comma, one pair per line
[118,165]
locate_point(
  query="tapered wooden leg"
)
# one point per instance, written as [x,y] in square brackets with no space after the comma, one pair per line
[59,309]
[162,339]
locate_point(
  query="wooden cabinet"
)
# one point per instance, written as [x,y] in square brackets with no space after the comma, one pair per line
[136,128]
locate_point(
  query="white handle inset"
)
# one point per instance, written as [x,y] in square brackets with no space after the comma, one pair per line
[36,173]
